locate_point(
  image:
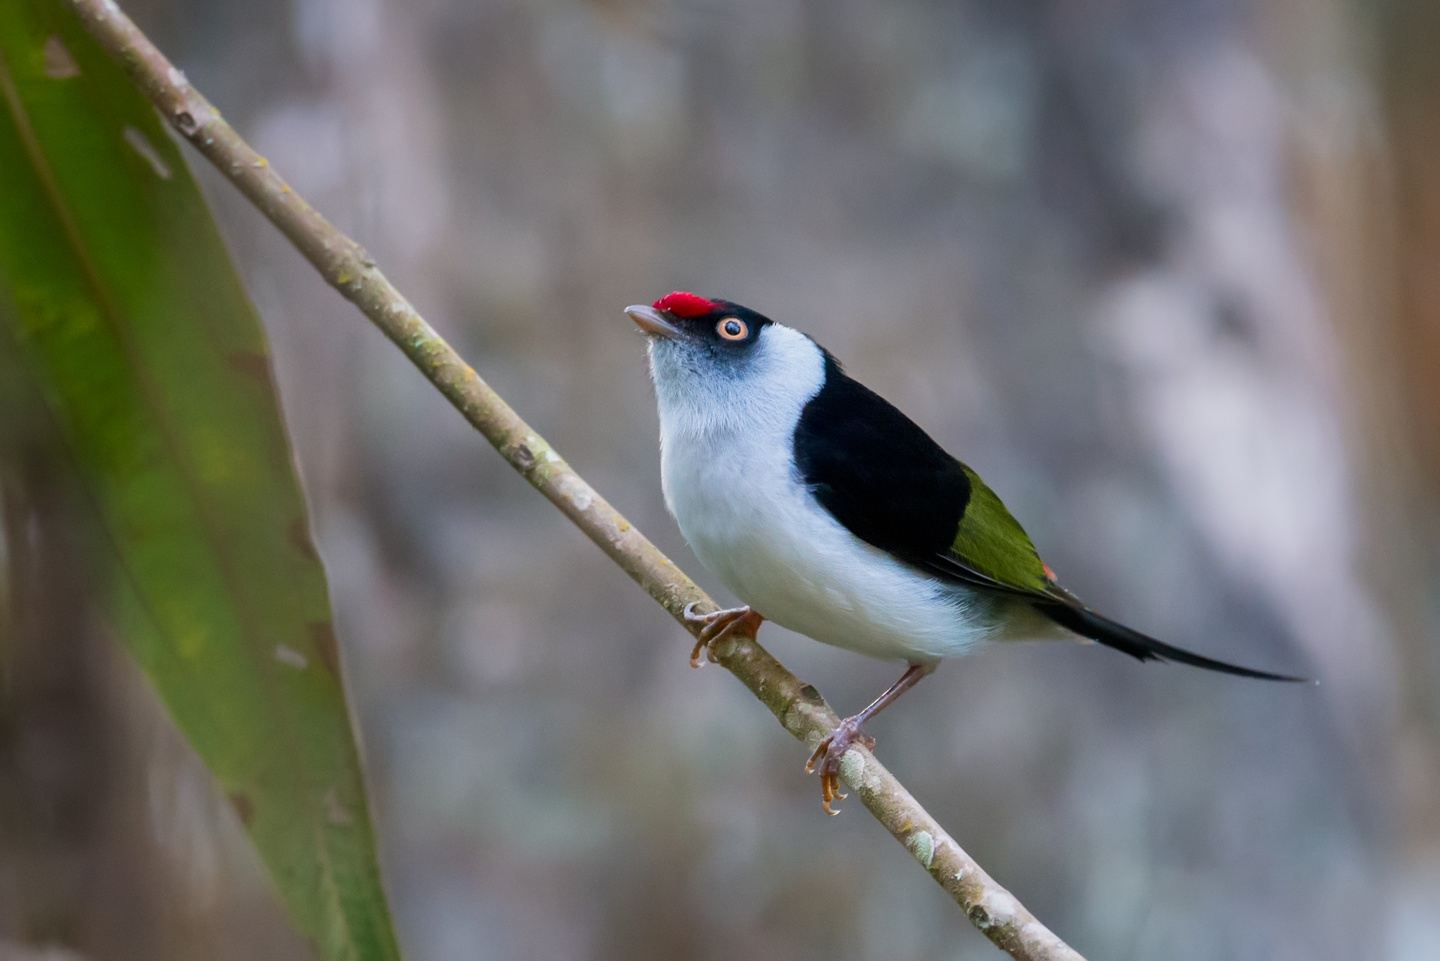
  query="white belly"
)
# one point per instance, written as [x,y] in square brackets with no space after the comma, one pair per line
[749,520]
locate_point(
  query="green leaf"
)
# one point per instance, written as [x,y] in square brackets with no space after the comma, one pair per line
[123,305]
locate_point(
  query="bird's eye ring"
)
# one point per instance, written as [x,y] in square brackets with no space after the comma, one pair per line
[732,328]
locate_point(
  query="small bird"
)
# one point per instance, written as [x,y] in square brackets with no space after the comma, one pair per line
[828,511]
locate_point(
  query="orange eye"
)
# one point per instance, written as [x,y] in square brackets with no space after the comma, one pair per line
[732,328]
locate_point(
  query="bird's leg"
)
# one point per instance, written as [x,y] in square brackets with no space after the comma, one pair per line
[831,752]
[717,625]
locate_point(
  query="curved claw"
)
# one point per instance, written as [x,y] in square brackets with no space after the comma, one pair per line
[818,755]
[830,792]
[717,625]
[827,757]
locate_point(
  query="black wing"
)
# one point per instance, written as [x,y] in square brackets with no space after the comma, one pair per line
[879,474]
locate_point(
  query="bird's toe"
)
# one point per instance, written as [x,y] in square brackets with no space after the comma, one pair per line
[717,625]
[828,756]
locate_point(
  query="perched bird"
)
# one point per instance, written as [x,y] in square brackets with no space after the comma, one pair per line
[828,511]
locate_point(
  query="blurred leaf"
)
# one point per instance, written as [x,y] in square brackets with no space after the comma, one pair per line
[125,308]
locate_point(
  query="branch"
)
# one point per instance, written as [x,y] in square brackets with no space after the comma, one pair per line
[350,270]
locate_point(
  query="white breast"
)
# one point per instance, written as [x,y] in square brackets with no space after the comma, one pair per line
[728,473]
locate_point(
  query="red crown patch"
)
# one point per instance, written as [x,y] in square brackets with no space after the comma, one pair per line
[684,304]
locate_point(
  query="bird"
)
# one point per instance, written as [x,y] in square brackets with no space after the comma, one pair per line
[825,509]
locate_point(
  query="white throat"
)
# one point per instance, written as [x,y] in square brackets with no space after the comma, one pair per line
[762,396]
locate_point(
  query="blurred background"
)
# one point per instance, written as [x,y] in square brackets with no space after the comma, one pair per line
[1163,271]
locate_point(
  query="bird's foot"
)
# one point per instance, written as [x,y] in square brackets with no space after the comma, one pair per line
[717,625]
[830,753]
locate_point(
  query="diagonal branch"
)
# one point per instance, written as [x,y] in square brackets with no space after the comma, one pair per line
[350,270]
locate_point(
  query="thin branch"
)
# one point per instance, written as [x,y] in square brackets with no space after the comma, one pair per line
[350,270]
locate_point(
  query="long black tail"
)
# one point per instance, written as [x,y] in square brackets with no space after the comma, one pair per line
[1142,647]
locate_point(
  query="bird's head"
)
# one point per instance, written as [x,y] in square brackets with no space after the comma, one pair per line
[700,339]
[705,353]
[699,324]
